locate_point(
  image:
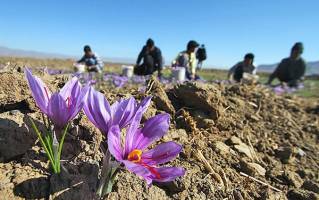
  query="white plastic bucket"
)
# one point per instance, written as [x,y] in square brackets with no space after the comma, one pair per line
[250,78]
[179,74]
[127,71]
[79,67]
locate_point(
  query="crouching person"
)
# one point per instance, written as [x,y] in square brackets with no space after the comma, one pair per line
[91,60]
[243,69]
[152,60]
[187,59]
[290,72]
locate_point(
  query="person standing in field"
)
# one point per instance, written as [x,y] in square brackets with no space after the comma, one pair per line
[201,56]
[291,70]
[152,60]
[246,66]
[91,60]
[187,59]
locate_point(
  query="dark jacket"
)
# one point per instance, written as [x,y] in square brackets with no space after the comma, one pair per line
[239,69]
[289,70]
[156,54]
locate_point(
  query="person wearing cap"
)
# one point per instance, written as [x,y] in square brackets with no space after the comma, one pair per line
[152,60]
[291,70]
[246,66]
[91,60]
[187,59]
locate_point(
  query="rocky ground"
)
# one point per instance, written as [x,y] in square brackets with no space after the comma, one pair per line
[240,142]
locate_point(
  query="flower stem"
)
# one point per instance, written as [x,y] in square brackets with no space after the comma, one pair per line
[44,145]
[61,145]
[107,176]
[55,147]
[48,140]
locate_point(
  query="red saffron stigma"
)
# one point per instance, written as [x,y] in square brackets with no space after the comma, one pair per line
[152,170]
[68,101]
[136,157]
[46,92]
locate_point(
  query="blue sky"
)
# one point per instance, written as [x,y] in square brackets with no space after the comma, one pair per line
[228,28]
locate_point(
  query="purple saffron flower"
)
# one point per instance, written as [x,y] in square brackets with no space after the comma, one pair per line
[279,90]
[124,110]
[121,113]
[119,81]
[135,156]
[62,106]
[98,110]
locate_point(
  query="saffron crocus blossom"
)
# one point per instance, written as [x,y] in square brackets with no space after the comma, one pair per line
[125,110]
[134,154]
[62,106]
[103,116]
[98,110]
[119,81]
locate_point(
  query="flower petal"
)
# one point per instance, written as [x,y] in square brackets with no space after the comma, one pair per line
[139,170]
[133,132]
[168,174]
[145,103]
[114,142]
[162,153]
[71,88]
[40,91]
[78,101]
[123,112]
[58,111]
[114,107]
[158,174]
[98,110]
[153,129]
[74,95]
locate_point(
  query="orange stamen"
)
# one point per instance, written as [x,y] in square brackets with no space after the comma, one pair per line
[135,156]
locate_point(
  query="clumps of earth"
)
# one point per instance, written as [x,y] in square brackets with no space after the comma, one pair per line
[239,142]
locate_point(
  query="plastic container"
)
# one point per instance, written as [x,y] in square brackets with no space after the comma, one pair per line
[127,71]
[79,67]
[250,78]
[178,74]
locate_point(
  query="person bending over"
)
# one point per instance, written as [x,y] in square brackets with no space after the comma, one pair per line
[91,60]
[291,70]
[152,60]
[246,66]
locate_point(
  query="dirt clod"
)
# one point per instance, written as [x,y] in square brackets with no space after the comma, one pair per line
[298,194]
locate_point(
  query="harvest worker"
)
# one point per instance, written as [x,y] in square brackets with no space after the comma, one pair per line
[91,60]
[152,60]
[187,59]
[291,70]
[246,66]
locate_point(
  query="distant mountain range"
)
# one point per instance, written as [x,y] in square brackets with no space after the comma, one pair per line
[5,51]
[312,68]
[9,52]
